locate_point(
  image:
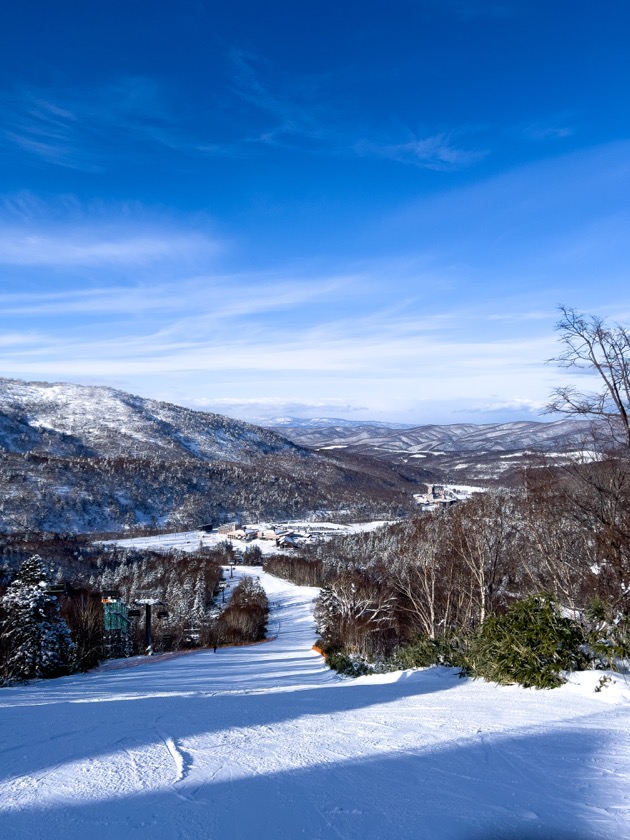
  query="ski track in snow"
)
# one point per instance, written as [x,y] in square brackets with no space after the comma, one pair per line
[266,742]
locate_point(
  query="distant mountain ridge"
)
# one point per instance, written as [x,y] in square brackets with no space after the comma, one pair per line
[559,435]
[82,458]
[325,422]
[459,452]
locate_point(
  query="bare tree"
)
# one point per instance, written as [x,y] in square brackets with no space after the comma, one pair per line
[83,612]
[483,530]
[600,492]
[590,344]
[358,611]
[558,546]
[421,578]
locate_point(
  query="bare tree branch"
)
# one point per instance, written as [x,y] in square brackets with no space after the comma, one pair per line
[590,344]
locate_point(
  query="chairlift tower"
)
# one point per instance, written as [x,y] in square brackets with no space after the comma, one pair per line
[148,604]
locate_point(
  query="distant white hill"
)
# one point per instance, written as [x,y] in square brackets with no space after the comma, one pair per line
[319,422]
[459,451]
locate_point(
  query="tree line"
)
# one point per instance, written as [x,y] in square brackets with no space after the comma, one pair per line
[52,620]
[45,492]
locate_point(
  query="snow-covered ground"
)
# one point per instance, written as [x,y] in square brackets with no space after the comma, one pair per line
[265,742]
[193,540]
[464,490]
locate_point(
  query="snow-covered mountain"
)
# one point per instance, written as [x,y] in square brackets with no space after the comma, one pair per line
[560,435]
[64,419]
[79,458]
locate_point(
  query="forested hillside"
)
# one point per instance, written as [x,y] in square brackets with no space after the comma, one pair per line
[75,458]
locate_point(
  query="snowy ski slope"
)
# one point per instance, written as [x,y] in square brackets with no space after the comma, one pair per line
[265,742]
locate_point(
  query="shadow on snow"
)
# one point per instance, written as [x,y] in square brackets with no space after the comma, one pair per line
[530,787]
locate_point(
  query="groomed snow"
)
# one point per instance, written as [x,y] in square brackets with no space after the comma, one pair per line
[265,742]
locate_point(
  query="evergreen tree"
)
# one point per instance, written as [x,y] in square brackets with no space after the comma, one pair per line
[199,604]
[530,644]
[37,639]
[328,614]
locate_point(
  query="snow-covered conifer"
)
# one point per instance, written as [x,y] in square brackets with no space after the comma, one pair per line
[199,603]
[37,638]
[327,612]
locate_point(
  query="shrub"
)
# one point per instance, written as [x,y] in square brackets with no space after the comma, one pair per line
[245,618]
[419,653]
[345,664]
[529,644]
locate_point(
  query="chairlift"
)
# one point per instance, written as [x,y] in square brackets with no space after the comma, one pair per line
[163,614]
[111,593]
[133,613]
[56,589]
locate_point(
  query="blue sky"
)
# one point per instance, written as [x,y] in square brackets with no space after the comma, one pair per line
[355,209]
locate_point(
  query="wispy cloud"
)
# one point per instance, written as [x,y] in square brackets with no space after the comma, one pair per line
[190,305]
[298,117]
[439,152]
[91,128]
[558,127]
[266,373]
[295,113]
[85,128]
[45,130]
[263,407]
[20,340]
[332,330]
[359,352]
[217,348]
[377,332]
[86,248]
[67,233]
[512,407]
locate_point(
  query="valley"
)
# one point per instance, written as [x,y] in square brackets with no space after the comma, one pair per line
[92,459]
